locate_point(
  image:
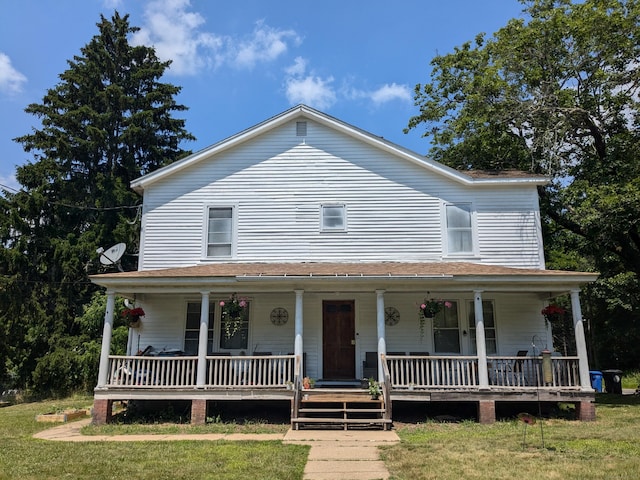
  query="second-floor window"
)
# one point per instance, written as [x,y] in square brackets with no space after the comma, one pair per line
[459,228]
[220,232]
[333,218]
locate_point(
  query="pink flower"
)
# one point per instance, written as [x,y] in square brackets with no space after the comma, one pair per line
[221,303]
[243,303]
[448,304]
[423,306]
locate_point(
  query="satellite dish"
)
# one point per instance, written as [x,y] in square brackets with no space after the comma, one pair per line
[113,255]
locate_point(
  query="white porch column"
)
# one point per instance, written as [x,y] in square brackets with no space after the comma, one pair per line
[382,343]
[107,331]
[581,344]
[481,348]
[298,345]
[201,374]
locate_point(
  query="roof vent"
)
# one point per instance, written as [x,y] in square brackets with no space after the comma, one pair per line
[301,129]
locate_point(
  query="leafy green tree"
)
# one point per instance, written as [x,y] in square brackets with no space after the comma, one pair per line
[108,121]
[556,92]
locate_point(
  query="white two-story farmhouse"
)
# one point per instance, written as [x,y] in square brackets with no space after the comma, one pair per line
[304,247]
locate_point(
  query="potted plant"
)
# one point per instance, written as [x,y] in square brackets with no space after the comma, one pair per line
[308,383]
[374,389]
[132,316]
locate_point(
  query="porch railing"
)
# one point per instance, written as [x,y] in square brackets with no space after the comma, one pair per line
[432,371]
[179,372]
[504,372]
[528,372]
[141,371]
[255,371]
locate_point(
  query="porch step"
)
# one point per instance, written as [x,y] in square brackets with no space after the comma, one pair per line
[328,408]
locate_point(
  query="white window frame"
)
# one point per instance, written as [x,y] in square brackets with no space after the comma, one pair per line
[472,229]
[233,233]
[324,227]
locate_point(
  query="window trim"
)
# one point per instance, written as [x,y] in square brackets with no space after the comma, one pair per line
[234,231]
[474,233]
[325,229]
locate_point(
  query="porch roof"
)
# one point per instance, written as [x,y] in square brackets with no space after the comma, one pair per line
[377,274]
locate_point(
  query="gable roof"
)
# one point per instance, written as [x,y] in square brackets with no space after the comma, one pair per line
[304,112]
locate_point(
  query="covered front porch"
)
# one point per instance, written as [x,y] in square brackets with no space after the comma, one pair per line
[336,322]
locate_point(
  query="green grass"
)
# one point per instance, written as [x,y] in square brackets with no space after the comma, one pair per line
[608,448]
[23,457]
[631,379]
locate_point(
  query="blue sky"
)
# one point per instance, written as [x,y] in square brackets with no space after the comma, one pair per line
[241,62]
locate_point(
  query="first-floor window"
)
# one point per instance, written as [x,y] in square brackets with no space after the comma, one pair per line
[234,327]
[489,327]
[192,329]
[446,331]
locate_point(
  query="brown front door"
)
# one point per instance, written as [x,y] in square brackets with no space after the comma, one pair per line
[338,339]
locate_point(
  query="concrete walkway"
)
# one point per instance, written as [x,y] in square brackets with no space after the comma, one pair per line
[334,454]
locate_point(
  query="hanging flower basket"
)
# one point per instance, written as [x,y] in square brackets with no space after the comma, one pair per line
[132,316]
[234,311]
[429,309]
[553,314]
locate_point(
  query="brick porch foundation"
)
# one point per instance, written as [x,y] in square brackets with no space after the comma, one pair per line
[198,412]
[586,411]
[102,411]
[487,411]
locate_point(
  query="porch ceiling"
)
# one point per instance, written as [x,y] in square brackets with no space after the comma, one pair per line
[348,276]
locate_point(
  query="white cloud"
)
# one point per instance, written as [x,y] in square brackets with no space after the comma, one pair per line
[264,45]
[174,32]
[388,93]
[11,80]
[178,35]
[308,89]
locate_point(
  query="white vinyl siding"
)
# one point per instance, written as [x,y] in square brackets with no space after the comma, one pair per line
[276,184]
[220,232]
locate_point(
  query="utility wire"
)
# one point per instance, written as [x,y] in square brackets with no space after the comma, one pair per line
[77,207]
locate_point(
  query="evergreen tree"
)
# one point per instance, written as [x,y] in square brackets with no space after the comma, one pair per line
[108,121]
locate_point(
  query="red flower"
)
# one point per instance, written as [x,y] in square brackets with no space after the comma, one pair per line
[553,310]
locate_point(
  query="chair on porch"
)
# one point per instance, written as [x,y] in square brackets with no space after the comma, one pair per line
[370,365]
[518,368]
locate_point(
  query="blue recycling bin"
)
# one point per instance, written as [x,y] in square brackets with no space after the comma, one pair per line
[596,380]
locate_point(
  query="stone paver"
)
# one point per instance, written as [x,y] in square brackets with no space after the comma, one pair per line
[334,455]
[343,455]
